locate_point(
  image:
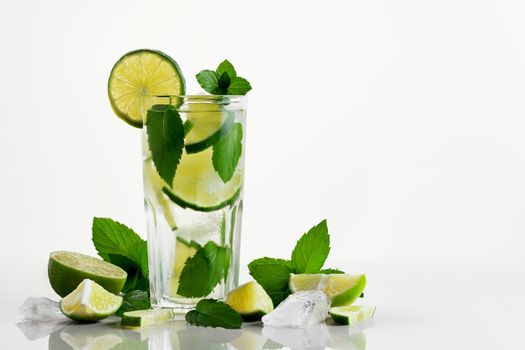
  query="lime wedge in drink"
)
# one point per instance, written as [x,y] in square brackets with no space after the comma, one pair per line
[156,186]
[209,123]
[140,73]
[341,289]
[183,251]
[251,301]
[142,318]
[67,269]
[89,302]
[349,315]
[198,186]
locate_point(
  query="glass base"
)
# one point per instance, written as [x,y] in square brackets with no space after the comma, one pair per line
[177,307]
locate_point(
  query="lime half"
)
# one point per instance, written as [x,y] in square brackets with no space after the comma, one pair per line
[251,301]
[349,315]
[140,73]
[142,318]
[67,269]
[197,186]
[89,302]
[209,123]
[341,289]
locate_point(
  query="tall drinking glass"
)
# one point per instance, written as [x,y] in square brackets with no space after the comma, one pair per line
[194,223]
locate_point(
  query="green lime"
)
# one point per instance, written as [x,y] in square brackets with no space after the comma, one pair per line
[89,302]
[155,183]
[349,315]
[206,123]
[341,289]
[251,301]
[198,186]
[142,318]
[140,73]
[67,269]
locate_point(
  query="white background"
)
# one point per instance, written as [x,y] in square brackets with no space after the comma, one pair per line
[401,122]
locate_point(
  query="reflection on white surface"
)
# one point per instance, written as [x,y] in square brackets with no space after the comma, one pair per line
[177,335]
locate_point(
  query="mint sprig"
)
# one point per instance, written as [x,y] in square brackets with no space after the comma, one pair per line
[308,256]
[223,80]
[165,139]
[214,313]
[204,270]
[120,245]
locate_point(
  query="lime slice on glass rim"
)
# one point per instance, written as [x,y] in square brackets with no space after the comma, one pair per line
[251,301]
[142,318]
[206,124]
[198,186]
[349,315]
[67,269]
[140,73]
[341,289]
[89,302]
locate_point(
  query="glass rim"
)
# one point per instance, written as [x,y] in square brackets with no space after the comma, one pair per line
[240,98]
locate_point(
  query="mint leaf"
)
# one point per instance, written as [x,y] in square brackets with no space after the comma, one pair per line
[226,67]
[311,250]
[166,140]
[112,237]
[120,245]
[209,81]
[214,313]
[227,151]
[273,275]
[134,300]
[203,271]
[223,81]
[331,271]
[239,86]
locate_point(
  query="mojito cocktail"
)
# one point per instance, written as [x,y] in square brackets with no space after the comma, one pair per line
[194,220]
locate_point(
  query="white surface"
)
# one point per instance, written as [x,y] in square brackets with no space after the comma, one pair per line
[401,122]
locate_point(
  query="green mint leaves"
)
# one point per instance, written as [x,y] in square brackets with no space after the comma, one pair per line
[214,313]
[134,300]
[166,139]
[273,275]
[203,271]
[120,245]
[227,151]
[308,256]
[311,250]
[223,81]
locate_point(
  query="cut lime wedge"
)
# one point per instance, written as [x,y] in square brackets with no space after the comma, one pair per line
[89,302]
[251,301]
[197,186]
[209,123]
[155,183]
[341,289]
[140,73]
[143,318]
[349,315]
[67,269]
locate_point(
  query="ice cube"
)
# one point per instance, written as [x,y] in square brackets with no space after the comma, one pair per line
[39,309]
[299,310]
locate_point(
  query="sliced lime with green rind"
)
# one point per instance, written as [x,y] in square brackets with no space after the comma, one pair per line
[349,315]
[183,251]
[251,301]
[66,270]
[198,186]
[206,124]
[89,302]
[341,289]
[143,318]
[138,74]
